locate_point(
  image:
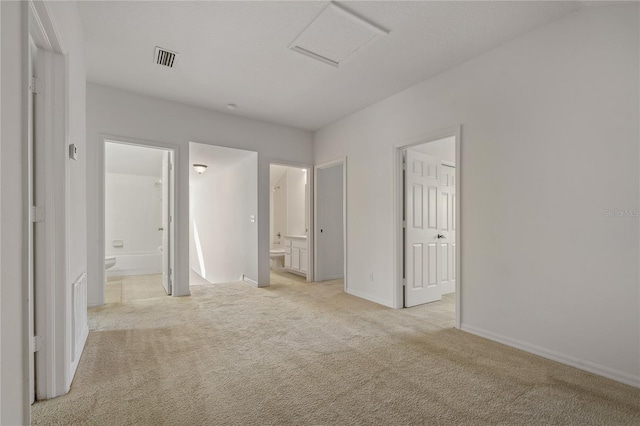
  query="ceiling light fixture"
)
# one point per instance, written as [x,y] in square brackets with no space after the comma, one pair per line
[200,168]
[232,107]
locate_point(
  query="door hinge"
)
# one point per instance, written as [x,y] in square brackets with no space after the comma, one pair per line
[36,343]
[170,271]
[404,282]
[404,223]
[37,214]
[170,166]
[404,166]
[36,85]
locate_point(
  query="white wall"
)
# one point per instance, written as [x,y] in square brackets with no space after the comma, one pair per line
[14,407]
[69,26]
[549,144]
[133,214]
[222,200]
[117,112]
[296,208]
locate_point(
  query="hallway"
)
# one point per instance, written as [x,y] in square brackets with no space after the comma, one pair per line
[298,353]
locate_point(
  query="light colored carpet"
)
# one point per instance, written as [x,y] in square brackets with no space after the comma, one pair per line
[298,353]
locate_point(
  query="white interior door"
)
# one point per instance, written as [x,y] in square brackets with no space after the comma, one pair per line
[447,226]
[166,221]
[421,248]
[330,226]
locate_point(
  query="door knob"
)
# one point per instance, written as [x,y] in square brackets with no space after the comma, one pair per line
[441,236]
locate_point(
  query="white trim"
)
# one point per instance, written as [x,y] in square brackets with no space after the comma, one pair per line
[326,165]
[329,277]
[309,208]
[175,176]
[249,281]
[42,27]
[51,302]
[370,298]
[569,360]
[53,361]
[131,272]
[455,131]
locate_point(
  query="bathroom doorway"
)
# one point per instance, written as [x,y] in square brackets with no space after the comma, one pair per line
[289,224]
[138,213]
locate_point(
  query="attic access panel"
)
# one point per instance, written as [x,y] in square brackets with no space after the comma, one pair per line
[335,35]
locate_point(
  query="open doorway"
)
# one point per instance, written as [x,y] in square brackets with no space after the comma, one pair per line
[223,205]
[289,218]
[138,222]
[331,221]
[430,223]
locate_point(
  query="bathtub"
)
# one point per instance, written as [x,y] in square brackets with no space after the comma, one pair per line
[135,264]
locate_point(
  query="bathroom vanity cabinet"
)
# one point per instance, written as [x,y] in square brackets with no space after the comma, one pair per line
[296,258]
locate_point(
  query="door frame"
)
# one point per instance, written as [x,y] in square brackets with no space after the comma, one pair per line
[310,203]
[398,206]
[174,188]
[318,167]
[53,363]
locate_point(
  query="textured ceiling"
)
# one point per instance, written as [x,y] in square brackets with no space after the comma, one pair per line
[238,52]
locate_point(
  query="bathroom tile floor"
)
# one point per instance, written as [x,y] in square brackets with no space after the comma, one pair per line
[134,287]
[279,276]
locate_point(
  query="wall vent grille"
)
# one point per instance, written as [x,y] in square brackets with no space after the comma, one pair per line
[165,57]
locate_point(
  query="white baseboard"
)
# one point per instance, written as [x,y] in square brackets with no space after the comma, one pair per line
[131,272]
[572,361]
[369,298]
[293,271]
[332,277]
[249,281]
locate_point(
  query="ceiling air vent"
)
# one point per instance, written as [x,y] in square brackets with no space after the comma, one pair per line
[165,57]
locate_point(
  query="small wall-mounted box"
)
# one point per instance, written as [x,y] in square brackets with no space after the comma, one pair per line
[118,243]
[73,151]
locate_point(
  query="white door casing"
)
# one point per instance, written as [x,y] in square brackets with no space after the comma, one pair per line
[31,226]
[447,228]
[52,297]
[166,214]
[422,242]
